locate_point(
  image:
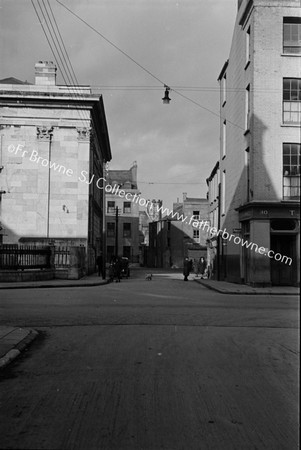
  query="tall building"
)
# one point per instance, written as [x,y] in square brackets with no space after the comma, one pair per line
[259,166]
[54,145]
[122,214]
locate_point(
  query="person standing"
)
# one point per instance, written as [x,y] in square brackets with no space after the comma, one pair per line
[186,268]
[202,266]
[99,264]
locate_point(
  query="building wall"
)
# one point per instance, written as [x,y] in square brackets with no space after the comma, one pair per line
[127,181]
[171,240]
[30,185]
[59,203]
[251,167]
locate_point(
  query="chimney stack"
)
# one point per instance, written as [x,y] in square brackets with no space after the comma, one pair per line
[45,73]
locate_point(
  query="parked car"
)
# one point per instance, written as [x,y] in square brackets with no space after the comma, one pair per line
[125,267]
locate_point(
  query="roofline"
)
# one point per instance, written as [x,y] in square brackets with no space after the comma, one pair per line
[223,70]
[213,172]
[49,99]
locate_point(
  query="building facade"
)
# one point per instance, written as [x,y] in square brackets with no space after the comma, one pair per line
[54,145]
[260,89]
[174,237]
[122,214]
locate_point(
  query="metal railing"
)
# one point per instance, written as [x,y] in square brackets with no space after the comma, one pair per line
[24,257]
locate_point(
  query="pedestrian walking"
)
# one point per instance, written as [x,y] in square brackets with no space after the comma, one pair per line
[202,266]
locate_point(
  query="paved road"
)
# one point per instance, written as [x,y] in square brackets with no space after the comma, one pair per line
[151,365]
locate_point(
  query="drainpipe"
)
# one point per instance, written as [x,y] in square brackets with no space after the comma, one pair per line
[48,199]
[218,237]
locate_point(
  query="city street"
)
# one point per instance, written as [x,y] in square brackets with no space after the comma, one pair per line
[160,364]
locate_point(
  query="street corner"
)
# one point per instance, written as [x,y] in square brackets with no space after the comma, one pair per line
[13,341]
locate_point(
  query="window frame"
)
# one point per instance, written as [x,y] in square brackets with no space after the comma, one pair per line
[291,97]
[111,229]
[111,209]
[127,209]
[291,43]
[291,177]
[127,233]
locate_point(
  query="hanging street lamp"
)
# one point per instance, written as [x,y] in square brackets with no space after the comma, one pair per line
[166,98]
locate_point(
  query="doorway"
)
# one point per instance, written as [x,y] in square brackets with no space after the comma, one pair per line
[283,274]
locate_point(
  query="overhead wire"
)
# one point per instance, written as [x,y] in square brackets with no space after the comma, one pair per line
[58,54]
[142,67]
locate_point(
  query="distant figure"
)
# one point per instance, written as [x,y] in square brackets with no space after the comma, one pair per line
[202,266]
[99,264]
[186,268]
[116,269]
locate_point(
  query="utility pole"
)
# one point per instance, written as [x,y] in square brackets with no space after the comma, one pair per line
[103,230]
[116,230]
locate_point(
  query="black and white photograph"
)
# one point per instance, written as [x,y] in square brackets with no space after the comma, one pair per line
[150,224]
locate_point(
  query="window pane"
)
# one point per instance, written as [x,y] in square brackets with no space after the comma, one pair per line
[294,31]
[286,32]
[286,117]
[286,94]
[286,148]
[286,84]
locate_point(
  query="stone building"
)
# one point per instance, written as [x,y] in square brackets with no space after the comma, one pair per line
[259,166]
[54,145]
[123,197]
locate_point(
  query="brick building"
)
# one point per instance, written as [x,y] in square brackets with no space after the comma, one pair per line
[259,165]
[54,144]
[125,238]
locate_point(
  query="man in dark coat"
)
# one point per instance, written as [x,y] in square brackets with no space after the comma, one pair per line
[186,268]
[202,266]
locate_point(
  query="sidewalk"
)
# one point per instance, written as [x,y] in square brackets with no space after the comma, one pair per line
[89,280]
[232,288]
[13,341]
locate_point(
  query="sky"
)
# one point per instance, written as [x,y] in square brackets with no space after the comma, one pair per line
[182,44]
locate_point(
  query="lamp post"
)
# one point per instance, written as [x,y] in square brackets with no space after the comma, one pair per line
[116,230]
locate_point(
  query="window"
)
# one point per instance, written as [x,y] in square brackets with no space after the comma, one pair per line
[196,215]
[111,207]
[224,138]
[247,118]
[292,100]
[111,229]
[127,251]
[292,35]
[126,207]
[291,171]
[126,229]
[248,43]
[224,89]
[196,235]
[110,252]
